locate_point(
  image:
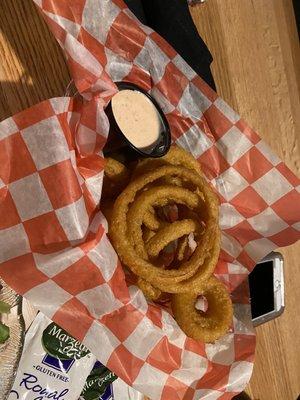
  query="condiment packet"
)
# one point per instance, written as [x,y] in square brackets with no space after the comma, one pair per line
[56,366]
[53,365]
[102,384]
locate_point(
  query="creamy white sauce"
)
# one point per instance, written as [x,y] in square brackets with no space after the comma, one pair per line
[137,118]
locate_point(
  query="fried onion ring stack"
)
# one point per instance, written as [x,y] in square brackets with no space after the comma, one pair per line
[164,227]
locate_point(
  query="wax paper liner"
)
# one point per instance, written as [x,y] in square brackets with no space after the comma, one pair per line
[54,248]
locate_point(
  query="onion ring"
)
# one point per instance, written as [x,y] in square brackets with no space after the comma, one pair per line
[212,324]
[115,171]
[150,292]
[168,234]
[182,246]
[179,157]
[176,156]
[150,220]
[161,195]
[164,227]
[196,282]
[118,228]
[116,178]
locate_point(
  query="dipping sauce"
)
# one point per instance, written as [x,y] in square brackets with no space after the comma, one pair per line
[137,117]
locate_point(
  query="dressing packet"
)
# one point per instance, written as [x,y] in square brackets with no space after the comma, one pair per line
[56,366]
[53,365]
[102,384]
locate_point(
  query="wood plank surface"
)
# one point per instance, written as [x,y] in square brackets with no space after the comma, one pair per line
[32,66]
[256,67]
[257,70]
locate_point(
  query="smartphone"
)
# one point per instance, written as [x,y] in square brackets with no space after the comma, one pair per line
[266,283]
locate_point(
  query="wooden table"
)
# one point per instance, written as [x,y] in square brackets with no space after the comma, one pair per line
[257,70]
[256,67]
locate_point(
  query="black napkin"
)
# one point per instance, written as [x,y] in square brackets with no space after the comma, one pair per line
[173,21]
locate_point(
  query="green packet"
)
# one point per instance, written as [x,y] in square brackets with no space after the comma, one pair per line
[98,384]
[102,384]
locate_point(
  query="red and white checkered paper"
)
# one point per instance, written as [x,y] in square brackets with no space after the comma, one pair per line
[54,248]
